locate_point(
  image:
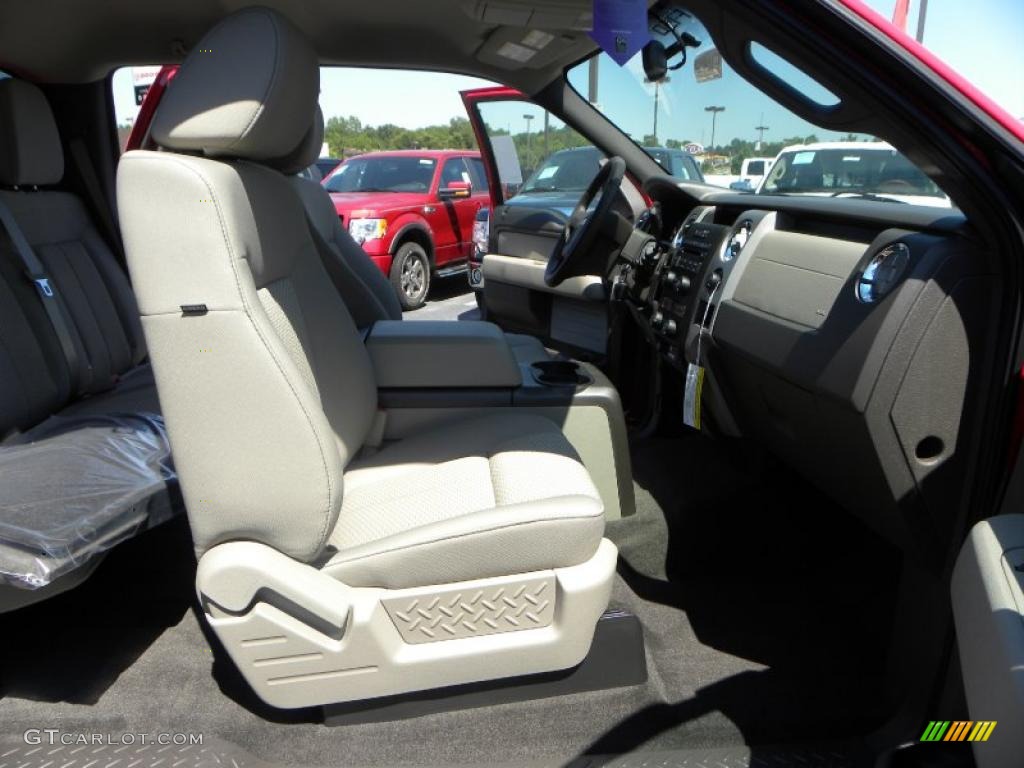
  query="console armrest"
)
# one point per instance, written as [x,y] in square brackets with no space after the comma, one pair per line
[441,354]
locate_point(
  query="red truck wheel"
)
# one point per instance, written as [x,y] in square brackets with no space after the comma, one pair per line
[410,275]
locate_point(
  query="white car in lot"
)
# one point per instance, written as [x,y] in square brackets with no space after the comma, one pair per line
[866,169]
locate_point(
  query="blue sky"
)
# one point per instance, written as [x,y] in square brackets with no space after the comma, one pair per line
[981,39]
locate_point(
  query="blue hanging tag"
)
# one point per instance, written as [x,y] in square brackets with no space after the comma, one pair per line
[620,27]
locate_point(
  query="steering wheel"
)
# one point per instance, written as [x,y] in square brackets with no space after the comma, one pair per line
[583,225]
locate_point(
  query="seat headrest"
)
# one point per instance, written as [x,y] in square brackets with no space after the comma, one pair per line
[241,89]
[30,151]
[308,150]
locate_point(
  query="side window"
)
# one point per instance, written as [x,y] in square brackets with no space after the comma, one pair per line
[476,167]
[129,86]
[679,167]
[454,170]
[756,168]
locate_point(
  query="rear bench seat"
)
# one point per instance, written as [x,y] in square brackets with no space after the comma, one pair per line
[84,458]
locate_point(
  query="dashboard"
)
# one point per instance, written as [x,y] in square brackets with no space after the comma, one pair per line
[844,335]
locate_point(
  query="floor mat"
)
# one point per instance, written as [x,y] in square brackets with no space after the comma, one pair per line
[756,634]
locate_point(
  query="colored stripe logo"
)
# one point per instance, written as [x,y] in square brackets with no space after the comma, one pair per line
[958,730]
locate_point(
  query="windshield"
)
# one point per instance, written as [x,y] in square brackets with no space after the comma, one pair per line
[705,110]
[676,163]
[850,169]
[388,173]
[568,171]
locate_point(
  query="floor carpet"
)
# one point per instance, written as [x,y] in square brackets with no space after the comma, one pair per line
[765,610]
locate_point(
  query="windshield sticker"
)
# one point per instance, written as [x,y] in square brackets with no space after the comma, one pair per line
[851,159]
[507,160]
[424,161]
[620,28]
[708,66]
[803,158]
[547,173]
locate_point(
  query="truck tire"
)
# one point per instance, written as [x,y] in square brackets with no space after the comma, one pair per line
[410,275]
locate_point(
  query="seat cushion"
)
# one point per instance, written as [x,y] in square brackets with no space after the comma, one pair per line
[134,392]
[488,496]
[74,486]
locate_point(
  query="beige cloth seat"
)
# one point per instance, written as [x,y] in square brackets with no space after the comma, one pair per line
[483,497]
[368,295]
[305,534]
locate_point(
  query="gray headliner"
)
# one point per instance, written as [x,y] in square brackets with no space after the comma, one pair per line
[66,45]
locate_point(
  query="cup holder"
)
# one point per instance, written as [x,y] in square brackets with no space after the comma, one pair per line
[559,373]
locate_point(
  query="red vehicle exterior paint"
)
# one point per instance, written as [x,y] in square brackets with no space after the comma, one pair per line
[447,224]
[149,105]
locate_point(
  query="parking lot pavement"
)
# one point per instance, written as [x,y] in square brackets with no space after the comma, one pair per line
[450,299]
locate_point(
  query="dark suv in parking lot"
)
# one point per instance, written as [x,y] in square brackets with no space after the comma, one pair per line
[558,183]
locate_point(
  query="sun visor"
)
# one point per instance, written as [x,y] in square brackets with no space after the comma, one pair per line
[564,14]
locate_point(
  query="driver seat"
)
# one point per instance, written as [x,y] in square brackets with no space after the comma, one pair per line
[368,295]
[330,570]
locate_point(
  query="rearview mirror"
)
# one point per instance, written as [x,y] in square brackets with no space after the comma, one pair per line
[655,61]
[455,190]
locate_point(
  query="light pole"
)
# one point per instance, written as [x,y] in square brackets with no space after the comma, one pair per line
[760,132]
[528,118]
[592,81]
[714,115]
[922,14]
[657,86]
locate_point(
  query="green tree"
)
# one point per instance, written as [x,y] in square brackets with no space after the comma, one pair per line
[347,136]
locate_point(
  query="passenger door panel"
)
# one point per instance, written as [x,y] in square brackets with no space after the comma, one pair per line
[988,608]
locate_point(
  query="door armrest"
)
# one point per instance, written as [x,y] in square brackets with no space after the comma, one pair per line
[529,273]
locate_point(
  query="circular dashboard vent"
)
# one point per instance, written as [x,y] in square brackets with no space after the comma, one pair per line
[883,272]
[697,214]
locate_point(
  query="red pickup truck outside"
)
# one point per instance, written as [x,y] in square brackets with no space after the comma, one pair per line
[412,211]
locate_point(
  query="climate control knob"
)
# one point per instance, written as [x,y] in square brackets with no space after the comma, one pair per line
[680,283]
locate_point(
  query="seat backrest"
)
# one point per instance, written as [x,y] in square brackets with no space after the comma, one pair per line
[265,385]
[368,295]
[92,286]
[34,380]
